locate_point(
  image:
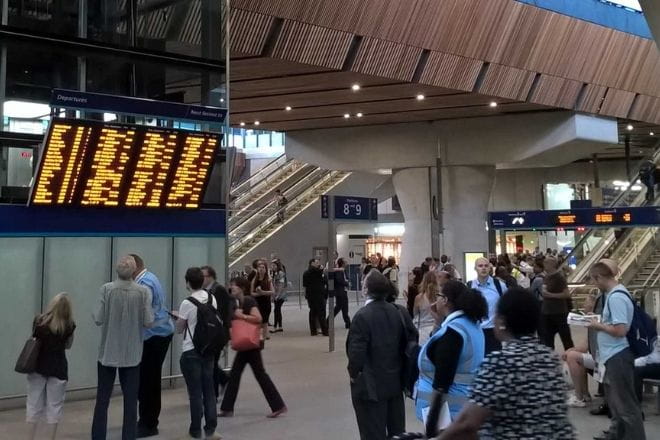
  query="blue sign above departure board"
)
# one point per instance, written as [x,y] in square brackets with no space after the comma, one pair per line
[350,208]
[576,218]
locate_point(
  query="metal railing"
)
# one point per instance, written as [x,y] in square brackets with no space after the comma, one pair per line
[608,238]
[263,173]
[300,201]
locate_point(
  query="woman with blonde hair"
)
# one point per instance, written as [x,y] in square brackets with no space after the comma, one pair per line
[424,317]
[47,385]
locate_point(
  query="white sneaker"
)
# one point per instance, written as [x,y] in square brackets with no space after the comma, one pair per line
[574,402]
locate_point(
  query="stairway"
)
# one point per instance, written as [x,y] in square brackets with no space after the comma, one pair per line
[256,226]
[649,273]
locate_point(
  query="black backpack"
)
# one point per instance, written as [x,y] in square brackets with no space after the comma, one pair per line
[498,285]
[210,336]
[642,333]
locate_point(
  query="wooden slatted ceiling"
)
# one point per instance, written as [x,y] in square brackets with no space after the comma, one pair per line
[337,96]
[395,117]
[497,31]
[507,82]
[617,103]
[451,71]
[285,85]
[386,59]
[311,110]
[592,98]
[249,32]
[315,45]
[254,68]
[646,108]
[556,91]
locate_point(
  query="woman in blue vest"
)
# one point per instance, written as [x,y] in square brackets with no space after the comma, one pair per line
[450,359]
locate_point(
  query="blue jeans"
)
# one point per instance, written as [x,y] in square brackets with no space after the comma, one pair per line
[129,378]
[198,373]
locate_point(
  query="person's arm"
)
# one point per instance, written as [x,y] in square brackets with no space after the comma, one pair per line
[69,342]
[254,317]
[99,312]
[184,310]
[620,309]
[467,425]
[270,291]
[357,346]
[561,295]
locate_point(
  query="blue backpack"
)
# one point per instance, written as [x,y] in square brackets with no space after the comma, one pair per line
[642,332]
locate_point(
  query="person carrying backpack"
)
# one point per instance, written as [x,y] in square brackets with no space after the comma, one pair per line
[202,328]
[491,289]
[616,354]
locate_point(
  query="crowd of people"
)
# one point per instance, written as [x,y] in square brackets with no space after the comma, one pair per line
[486,364]
[477,356]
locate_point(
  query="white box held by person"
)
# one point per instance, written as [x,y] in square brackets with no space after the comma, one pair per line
[581,320]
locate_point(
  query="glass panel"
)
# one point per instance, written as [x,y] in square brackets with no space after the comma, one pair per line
[55,16]
[20,270]
[107,21]
[189,252]
[157,255]
[79,266]
[264,140]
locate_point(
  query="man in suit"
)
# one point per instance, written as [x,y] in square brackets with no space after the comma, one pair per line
[375,347]
[315,286]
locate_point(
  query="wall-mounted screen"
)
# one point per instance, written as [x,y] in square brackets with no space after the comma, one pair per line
[97,164]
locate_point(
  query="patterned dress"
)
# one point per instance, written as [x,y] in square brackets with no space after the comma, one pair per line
[523,387]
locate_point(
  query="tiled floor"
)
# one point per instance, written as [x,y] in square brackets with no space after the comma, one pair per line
[312,381]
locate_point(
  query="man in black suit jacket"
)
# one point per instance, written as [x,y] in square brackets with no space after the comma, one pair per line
[375,348]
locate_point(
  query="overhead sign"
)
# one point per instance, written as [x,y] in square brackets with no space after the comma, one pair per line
[350,208]
[61,98]
[89,163]
[576,218]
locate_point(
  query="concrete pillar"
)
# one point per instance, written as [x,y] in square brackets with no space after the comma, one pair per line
[412,187]
[466,194]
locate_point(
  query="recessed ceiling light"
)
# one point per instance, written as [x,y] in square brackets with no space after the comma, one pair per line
[242,124]
[355,87]
[629,127]
[287,108]
[359,115]
[257,122]
[492,104]
[420,97]
[651,133]
[347,115]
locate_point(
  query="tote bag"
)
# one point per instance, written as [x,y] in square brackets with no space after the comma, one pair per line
[27,360]
[245,335]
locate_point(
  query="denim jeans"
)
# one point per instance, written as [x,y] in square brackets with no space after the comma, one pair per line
[198,373]
[129,378]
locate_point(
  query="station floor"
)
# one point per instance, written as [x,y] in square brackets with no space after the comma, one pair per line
[312,382]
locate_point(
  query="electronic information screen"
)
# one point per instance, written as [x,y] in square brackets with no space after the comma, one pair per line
[89,163]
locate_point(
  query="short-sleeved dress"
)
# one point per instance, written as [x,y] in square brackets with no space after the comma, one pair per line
[523,387]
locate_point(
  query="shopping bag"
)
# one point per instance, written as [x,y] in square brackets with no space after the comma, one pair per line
[245,335]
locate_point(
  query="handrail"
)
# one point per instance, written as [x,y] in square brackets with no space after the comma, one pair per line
[239,216]
[655,280]
[234,246]
[638,201]
[272,166]
[297,188]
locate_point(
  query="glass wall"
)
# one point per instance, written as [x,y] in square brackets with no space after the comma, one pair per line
[35,269]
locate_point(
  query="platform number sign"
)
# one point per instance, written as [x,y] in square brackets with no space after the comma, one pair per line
[350,208]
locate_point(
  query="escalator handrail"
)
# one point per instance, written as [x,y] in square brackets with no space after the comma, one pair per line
[585,237]
[260,175]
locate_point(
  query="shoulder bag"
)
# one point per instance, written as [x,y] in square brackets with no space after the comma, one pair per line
[245,336]
[27,360]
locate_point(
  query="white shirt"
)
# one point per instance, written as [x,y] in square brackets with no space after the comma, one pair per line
[188,311]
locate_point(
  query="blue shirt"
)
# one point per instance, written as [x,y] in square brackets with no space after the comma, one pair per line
[162,323]
[489,291]
[618,309]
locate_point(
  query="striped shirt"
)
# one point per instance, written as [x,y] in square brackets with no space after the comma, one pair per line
[123,311]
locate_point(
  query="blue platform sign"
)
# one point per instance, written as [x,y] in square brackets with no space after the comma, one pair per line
[61,98]
[356,208]
[622,217]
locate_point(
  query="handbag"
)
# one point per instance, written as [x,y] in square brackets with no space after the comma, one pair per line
[245,336]
[27,360]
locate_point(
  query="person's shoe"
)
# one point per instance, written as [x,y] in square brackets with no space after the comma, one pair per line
[214,436]
[272,331]
[574,402]
[600,410]
[605,435]
[143,431]
[279,330]
[313,334]
[226,414]
[277,413]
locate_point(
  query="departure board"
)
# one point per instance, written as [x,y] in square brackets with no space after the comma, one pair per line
[96,164]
